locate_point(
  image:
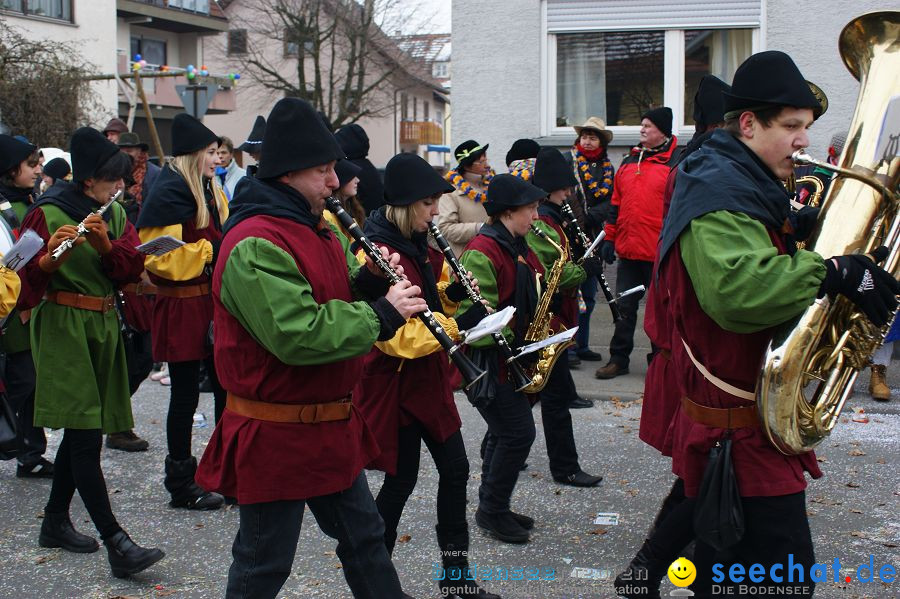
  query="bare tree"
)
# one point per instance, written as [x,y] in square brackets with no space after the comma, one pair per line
[333,53]
[44,92]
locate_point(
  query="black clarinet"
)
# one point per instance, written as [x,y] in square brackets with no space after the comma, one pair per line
[470,372]
[604,286]
[520,379]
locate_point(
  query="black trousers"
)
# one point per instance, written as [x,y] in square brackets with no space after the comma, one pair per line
[453,474]
[507,444]
[630,273]
[266,543]
[775,527]
[555,398]
[20,383]
[77,466]
[139,357]
[183,400]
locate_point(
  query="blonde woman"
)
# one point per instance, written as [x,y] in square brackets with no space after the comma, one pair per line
[186,205]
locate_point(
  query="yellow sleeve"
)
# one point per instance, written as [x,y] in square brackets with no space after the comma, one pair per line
[221,204]
[332,219]
[9,290]
[183,264]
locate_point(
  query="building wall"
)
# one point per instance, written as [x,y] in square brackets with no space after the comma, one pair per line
[496,73]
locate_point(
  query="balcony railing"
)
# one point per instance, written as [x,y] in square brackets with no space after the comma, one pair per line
[421,133]
[198,6]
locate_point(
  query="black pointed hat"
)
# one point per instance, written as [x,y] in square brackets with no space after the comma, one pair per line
[522,149]
[13,151]
[408,178]
[508,191]
[551,171]
[469,151]
[295,138]
[345,171]
[709,103]
[254,140]
[57,168]
[89,150]
[770,79]
[190,135]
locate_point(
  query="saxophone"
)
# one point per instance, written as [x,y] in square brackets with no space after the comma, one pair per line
[540,325]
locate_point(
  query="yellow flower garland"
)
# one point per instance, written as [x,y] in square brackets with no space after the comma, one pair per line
[457,181]
[597,190]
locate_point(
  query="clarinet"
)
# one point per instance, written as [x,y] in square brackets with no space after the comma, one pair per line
[604,286]
[520,379]
[470,372]
[69,243]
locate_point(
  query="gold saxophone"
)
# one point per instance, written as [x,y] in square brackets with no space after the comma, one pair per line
[539,328]
[813,361]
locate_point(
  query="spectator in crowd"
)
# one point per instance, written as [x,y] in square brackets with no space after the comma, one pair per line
[253,145]
[462,212]
[228,171]
[355,144]
[114,128]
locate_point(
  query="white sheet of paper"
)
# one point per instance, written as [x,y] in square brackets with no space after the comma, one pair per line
[888,145]
[160,246]
[490,324]
[607,519]
[23,250]
[600,237]
[557,338]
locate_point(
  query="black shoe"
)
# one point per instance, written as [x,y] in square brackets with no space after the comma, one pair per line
[574,360]
[502,526]
[43,468]
[126,441]
[610,371]
[206,385]
[523,520]
[185,492]
[641,578]
[127,557]
[580,402]
[579,479]
[57,531]
[590,356]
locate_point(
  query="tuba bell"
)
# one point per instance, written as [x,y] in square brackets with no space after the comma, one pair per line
[812,362]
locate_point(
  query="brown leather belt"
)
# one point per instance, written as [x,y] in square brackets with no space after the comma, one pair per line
[665,354]
[183,292]
[309,413]
[79,300]
[728,418]
[141,288]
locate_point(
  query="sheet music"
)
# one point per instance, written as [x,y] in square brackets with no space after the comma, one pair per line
[600,237]
[557,338]
[160,246]
[490,324]
[23,250]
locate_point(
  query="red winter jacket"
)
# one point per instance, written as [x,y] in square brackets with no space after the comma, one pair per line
[637,203]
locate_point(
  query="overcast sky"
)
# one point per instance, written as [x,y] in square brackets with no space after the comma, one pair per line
[438,9]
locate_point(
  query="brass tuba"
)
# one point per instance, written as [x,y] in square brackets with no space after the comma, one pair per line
[813,361]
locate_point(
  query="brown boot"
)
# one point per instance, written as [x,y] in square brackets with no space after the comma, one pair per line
[126,441]
[878,388]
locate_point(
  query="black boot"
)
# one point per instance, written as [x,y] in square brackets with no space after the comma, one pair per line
[127,557]
[185,492]
[57,531]
[641,578]
[455,557]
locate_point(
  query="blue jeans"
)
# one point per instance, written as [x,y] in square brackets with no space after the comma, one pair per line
[266,542]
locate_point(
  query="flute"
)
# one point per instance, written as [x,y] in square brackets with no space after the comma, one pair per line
[470,372]
[520,379]
[69,243]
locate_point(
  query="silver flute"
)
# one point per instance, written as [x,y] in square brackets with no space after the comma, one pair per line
[68,244]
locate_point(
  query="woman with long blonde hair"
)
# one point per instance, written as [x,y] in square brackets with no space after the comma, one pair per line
[186,205]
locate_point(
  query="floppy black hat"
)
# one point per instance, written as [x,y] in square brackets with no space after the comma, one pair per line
[709,104]
[13,151]
[89,150]
[469,151]
[254,140]
[408,178]
[551,171]
[770,79]
[295,139]
[345,171]
[508,191]
[190,135]
[57,168]
[522,149]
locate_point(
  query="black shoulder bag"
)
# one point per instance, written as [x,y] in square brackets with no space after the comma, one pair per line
[719,513]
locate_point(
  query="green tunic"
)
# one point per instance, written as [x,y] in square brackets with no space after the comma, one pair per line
[82,377]
[572,274]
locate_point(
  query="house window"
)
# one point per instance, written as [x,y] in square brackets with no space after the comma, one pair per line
[52,9]
[153,51]
[440,70]
[237,41]
[716,52]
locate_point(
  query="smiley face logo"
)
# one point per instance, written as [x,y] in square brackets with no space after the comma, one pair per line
[682,572]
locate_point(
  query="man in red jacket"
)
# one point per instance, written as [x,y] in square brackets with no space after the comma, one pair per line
[633,226]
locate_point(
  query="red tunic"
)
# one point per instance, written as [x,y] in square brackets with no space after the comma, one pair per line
[259,461]
[394,392]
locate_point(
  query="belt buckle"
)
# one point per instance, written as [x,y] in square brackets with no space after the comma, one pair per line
[307,414]
[108,304]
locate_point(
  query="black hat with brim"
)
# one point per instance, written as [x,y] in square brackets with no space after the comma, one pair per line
[89,150]
[13,151]
[57,168]
[709,104]
[408,178]
[469,151]
[770,79]
[508,191]
[132,140]
[190,135]
[295,139]
[522,149]
[254,141]
[345,171]
[551,171]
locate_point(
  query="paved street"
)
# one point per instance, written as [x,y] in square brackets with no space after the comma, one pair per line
[853,510]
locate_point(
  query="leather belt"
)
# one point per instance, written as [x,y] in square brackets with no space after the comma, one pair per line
[141,288]
[183,292]
[280,412]
[79,300]
[665,354]
[727,418]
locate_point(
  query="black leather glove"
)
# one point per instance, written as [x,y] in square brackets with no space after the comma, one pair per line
[592,266]
[803,222]
[859,279]
[470,317]
[388,317]
[608,251]
[456,292]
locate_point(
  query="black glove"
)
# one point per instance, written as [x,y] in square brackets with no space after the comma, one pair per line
[388,317]
[859,279]
[456,292]
[608,251]
[592,266]
[470,317]
[596,215]
[370,285]
[803,222]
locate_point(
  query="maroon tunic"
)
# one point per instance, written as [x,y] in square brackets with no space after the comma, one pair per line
[259,461]
[761,470]
[394,392]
